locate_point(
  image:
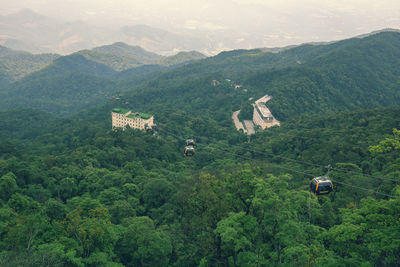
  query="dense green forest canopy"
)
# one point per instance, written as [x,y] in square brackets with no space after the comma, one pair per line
[74,192]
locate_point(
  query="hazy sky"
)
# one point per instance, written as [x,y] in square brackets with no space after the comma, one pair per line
[279,22]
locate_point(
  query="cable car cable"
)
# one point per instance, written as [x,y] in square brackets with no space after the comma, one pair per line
[311,175]
[290,169]
[317,165]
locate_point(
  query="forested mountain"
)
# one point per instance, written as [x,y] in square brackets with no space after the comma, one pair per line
[351,74]
[362,74]
[120,56]
[74,192]
[14,65]
[68,85]
[74,83]
[181,57]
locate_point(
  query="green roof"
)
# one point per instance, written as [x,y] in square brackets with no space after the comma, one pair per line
[120,110]
[144,116]
[141,115]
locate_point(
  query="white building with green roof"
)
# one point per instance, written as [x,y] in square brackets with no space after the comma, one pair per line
[262,116]
[122,117]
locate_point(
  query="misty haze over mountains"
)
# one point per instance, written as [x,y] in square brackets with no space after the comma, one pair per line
[30,31]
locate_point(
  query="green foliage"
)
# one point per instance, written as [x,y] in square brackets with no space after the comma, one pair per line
[73,192]
[246,111]
[387,145]
[182,57]
[120,56]
[144,245]
[14,65]
[8,185]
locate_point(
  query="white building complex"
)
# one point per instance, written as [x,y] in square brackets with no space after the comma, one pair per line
[122,117]
[261,114]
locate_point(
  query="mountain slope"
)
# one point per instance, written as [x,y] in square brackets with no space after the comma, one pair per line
[182,57]
[70,84]
[78,63]
[120,56]
[362,74]
[61,94]
[14,65]
[347,75]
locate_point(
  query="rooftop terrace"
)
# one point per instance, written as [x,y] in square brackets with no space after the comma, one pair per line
[120,110]
[144,116]
[264,110]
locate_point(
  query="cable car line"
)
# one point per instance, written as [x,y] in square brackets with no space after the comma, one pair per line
[311,175]
[290,169]
[316,165]
[311,138]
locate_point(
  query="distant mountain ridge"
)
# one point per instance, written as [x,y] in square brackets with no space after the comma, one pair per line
[311,79]
[357,73]
[121,56]
[29,31]
[32,32]
[308,79]
[14,65]
[65,84]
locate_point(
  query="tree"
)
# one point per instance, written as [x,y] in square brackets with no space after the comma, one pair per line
[144,245]
[8,186]
[238,233]
[92,230]
[246,111]
[387,145]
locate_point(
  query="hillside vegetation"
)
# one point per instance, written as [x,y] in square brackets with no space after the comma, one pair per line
[74,192]
[82,80]
[120,56]
[79,194]
[363,74]
[14,65]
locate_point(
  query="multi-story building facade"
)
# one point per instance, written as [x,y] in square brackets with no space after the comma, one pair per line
[122,117]
[262,116]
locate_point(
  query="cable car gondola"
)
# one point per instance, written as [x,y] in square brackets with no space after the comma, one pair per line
[189,151]
[190,142]
[321,185]
[189,148]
